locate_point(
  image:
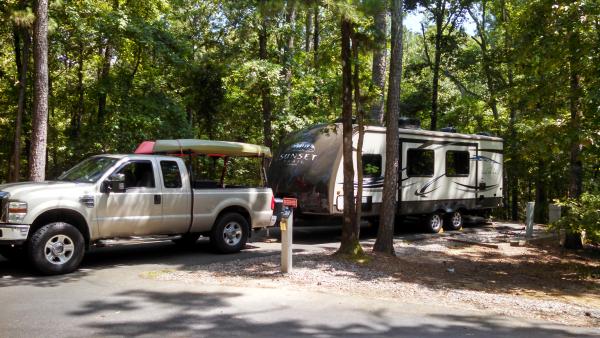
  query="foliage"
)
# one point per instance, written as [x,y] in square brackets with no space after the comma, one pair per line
[581,214]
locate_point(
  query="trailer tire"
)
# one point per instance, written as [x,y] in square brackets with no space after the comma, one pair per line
[434,222]
[230,233]
[453,221]
[56,248]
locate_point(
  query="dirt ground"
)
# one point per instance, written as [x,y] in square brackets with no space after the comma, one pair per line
[475,268]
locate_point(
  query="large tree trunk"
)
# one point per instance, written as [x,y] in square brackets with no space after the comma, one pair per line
[379,61]
[265,91]
[360,117]
[439,21]
[349,244]
[316,36]
[22,63]
[288,51]
[39,133]
[79,109]
[308,31]
[385,233]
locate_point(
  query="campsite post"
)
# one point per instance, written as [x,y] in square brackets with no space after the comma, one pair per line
[286,226]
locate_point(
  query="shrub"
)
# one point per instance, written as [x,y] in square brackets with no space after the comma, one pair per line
[582,214]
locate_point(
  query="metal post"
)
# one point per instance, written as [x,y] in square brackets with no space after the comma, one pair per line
[287,230]
[553,213]
[529,220]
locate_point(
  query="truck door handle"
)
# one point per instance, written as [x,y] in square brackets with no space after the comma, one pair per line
[157,199]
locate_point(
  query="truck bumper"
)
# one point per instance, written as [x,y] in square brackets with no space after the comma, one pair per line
[13,233]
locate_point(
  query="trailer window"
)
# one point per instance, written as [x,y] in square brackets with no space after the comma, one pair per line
[171,174]
[419,162]
[371,164]
[457,163]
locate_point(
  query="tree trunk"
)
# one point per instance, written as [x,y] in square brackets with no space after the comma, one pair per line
[39,133]
[439,21]
[288,50]
[379,62]
[349,244]
[316,35]
[385,233]
[308,31]
[22,63]
[265,91]
[78,111]
[361,134]
[103,81]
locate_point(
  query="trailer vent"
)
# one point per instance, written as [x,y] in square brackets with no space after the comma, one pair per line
[408,123]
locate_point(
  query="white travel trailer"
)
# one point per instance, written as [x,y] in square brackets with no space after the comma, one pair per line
[444,175]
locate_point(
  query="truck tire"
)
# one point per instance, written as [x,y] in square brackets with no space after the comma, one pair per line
[187,240]
[56,248]
[453,221]
[434,222]
[230,233]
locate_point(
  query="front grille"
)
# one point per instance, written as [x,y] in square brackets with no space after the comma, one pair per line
[3,205]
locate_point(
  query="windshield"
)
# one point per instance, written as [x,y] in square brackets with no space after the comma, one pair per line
[88,171]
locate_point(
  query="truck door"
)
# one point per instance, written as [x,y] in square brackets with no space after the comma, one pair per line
[137,210]
[176,197]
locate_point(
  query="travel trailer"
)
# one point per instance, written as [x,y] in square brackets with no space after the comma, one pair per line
[443,175]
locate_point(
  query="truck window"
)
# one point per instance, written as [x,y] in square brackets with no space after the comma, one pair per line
[419,162]
[371,164]
[457,163]
[170,173]
[138,174]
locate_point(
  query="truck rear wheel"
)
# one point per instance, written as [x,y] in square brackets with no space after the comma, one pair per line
[56,248]
[230,233]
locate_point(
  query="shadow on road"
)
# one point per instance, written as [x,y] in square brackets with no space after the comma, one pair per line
[219,315]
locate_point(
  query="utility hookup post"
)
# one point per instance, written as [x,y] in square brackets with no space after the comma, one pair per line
[286,226]
[529,219]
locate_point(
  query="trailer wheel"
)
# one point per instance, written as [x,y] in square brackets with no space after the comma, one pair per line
[230,233]
[453,221]
[434,222]
[56,248]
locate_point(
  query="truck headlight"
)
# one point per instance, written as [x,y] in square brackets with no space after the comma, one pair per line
[16,211]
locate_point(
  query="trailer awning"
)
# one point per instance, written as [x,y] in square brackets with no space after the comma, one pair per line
[223,148]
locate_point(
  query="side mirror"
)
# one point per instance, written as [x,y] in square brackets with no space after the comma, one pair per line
[115,183]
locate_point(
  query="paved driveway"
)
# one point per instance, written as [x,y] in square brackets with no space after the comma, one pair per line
[109,296]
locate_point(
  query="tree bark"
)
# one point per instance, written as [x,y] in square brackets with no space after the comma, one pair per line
[379,62]
[316,36]
[349,243]
[78,111]
[385,234]
[265,91]
[361,134]
[22,63]
[308,31]
[39,133]
[103,80]
[439,21]
[288,51]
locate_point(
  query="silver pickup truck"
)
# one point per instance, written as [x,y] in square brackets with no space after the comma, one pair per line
[54,223]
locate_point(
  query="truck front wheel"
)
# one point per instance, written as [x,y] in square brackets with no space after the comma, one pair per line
[56,248]
[230,233]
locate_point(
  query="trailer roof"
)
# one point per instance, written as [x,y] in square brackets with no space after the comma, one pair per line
[437,134]
[207,147]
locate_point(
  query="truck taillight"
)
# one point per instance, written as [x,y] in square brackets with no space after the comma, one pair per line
[272,202]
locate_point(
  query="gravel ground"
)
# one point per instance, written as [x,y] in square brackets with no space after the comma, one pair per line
[533,282]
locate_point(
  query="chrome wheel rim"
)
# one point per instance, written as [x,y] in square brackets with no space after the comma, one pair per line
[232,233]
[59,249]
[456,220]
[435,221]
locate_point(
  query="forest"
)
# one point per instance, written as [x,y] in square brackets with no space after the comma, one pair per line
[122,71]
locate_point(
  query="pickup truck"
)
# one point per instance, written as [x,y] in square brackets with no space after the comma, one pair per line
[151,192]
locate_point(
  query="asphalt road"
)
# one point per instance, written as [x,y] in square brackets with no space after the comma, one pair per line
[109,297]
